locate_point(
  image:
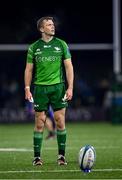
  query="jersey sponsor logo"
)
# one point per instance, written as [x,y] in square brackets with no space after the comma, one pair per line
[49,58]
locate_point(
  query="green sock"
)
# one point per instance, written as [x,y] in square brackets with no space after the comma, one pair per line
[61,139]
[37,142]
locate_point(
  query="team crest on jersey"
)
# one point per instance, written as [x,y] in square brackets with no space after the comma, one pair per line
[57,48]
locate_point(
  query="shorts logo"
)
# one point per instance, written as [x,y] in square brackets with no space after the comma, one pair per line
[36,105]
[63,101]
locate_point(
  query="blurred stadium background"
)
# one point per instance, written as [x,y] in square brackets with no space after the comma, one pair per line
[93,31]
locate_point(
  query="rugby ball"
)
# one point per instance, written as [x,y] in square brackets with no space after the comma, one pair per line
[87,158]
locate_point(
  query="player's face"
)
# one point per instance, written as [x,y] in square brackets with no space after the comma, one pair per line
[48,27]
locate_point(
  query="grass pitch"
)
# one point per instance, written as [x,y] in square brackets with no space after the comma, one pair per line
[16,152]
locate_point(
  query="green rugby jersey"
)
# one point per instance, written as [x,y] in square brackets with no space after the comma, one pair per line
[47,59]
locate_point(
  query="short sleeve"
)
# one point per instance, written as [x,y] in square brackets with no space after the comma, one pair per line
[67,54]
[30,54]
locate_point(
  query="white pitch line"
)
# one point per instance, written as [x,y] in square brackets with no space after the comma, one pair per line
[15,150]
[50,148]
[57,171]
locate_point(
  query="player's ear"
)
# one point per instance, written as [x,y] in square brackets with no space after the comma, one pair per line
[41,30]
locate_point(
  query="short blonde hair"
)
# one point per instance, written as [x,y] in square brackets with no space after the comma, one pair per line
[40,21]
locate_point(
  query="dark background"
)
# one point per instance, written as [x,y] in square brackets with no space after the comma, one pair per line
[85,21]
[82,21]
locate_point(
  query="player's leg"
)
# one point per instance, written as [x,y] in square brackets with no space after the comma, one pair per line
[51,116]
[61,135]
[59,107]
[50,128]
[38,136]
[40,107]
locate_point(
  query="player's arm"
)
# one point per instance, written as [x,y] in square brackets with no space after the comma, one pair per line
[28,79]
[70,78]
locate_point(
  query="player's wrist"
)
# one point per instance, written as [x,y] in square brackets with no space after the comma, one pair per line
[27,87]
[70,87]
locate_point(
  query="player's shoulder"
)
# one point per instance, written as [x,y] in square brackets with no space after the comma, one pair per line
[33,45]
[60,40]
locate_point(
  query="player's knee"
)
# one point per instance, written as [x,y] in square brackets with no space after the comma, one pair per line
[60,126]
[58,118]
[60,122]
[39,126]
[39,122]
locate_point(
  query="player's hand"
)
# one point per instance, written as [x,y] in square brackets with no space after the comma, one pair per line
[28,95]
[69,94]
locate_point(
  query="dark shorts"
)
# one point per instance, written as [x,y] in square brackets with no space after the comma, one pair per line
[45,95]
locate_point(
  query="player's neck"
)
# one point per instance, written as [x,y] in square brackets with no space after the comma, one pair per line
[46,38]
